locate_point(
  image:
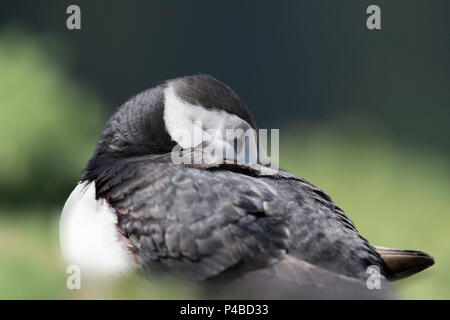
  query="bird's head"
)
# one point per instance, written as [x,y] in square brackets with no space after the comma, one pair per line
[185,112]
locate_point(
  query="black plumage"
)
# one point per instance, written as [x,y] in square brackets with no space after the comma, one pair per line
[202,222]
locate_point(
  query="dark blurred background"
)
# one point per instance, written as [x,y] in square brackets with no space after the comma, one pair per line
[362,113]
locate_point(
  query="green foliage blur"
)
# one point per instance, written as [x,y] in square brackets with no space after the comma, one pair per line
[49,125]
[48,122]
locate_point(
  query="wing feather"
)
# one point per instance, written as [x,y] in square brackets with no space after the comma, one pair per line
[194,221]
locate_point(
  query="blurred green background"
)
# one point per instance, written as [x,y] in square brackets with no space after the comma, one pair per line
[362,114]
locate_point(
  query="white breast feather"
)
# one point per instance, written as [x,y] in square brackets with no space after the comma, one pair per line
[89,236]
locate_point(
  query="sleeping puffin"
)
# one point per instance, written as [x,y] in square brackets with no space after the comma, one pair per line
[231,222]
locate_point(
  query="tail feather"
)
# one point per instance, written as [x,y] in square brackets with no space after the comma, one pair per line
[403,263]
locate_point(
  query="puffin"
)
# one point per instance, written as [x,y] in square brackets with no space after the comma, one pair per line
[231,222]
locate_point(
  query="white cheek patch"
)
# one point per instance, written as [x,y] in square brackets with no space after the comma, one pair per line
[186,123]
[89,237]
[189,125]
